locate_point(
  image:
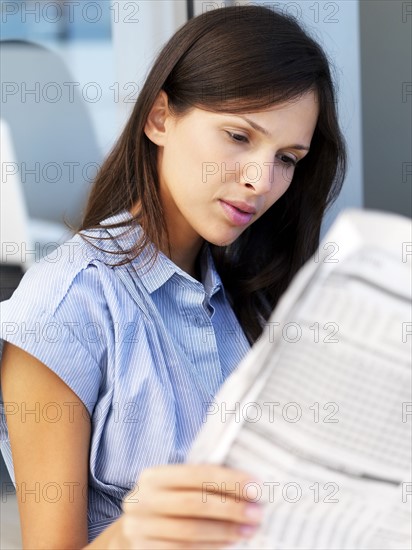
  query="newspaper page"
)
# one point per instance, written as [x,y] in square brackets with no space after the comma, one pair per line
[321,408]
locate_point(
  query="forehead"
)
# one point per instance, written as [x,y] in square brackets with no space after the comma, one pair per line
[307,101]
[261,102]
[300,113]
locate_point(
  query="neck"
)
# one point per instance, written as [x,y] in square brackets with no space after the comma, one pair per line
[185,257]
[184,245]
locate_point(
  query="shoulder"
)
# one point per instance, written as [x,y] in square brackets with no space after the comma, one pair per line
[74,268]
[69,302]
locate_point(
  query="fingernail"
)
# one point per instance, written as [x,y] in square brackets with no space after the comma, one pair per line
[247,530]
[254,511]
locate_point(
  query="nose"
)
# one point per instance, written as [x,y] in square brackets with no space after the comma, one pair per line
[259,175]
[263,172]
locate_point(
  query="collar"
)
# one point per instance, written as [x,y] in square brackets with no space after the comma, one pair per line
[209,276]
[154,273]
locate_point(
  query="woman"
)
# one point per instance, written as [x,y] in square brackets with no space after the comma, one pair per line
[207,206]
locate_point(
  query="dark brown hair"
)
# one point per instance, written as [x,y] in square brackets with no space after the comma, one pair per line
[234,59]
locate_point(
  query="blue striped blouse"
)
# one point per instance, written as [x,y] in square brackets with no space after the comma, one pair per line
[145,347]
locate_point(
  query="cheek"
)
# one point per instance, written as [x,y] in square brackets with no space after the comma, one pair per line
[185,174]
[281,183]
[283,179]
[190,158]
[283,176]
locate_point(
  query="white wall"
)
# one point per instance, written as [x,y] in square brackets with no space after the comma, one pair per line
[139,33]
[386,46]
[92,61]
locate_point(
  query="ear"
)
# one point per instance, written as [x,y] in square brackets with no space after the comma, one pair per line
[155,127]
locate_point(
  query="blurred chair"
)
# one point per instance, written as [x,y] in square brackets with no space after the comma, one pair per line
[14,219]
[56,149]
[23,240]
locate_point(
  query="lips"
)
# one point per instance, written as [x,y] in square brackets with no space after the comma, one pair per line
[242,206]
[239,213]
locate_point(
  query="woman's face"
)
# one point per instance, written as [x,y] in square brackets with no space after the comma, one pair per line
[219,172]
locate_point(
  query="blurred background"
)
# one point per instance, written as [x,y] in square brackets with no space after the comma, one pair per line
[72,70]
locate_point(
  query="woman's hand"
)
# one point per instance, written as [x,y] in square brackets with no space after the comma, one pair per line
[186,506]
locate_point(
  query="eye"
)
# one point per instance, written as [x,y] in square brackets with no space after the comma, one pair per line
[290,161]
[238,137]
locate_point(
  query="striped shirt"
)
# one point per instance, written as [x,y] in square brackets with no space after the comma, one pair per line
[145,347]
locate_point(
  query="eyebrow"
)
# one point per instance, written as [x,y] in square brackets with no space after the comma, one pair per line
[266,133]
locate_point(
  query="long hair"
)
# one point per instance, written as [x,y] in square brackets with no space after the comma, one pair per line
[234,59]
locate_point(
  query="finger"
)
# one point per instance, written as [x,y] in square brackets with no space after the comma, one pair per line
[193,476]
[193,530]
[198,504]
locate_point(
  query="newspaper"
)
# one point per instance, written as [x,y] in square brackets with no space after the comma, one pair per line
[320,409]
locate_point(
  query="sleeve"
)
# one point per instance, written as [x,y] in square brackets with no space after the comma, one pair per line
[64,322]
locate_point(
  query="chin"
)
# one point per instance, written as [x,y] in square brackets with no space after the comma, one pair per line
[222,240]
